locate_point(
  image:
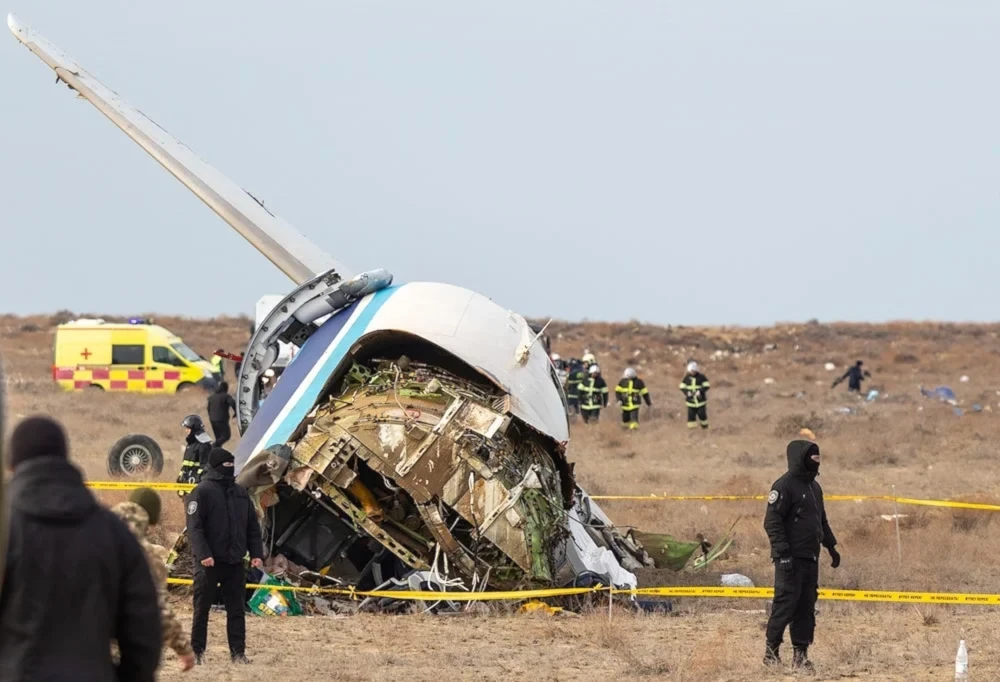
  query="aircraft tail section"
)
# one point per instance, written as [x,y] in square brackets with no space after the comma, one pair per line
[289,250]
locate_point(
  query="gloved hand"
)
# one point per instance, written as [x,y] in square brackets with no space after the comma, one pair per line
[835,555]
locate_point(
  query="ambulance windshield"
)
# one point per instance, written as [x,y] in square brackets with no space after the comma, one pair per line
[185,352]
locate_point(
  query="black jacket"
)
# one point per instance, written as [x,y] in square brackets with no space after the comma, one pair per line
[76,579]
[795,520]
[199,446]
[219,405]
[695,389]
[221,520]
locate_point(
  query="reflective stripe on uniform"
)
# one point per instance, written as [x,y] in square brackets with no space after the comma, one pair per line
[592,401]
[633,395]
[690,389]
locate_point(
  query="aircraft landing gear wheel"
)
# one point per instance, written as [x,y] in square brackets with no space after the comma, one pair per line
[134,456]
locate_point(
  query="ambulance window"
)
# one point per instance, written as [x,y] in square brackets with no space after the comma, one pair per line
[163,355]
[128,355]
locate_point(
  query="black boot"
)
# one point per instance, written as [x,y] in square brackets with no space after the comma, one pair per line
[771,656]
[801,659]
[199,658]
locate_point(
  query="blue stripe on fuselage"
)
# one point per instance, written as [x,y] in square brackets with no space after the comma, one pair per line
[297,372]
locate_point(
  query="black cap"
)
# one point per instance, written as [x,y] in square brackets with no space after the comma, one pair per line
[37,437]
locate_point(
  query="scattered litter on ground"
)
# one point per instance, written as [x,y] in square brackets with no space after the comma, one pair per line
[942,393]
[893,517]
[964,379]
[872,395]
[736,580]
[844,410]
[269,602]
[535,606]
[769,380]
[829,367]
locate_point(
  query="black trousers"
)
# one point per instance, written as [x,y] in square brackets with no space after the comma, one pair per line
[574,404]
[796,588]
[591,415]
[222,432]
[630,416]
[698,416]
[232,578]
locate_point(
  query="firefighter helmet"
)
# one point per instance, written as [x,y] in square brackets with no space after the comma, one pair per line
[193,422]
[629,373]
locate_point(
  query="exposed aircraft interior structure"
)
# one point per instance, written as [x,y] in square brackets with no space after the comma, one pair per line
[419,429]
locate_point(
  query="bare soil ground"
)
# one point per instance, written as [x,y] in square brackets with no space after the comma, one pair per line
[921,447]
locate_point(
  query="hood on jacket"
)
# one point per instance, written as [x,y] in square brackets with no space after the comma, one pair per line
[223,387]
[51,488]
[799,462]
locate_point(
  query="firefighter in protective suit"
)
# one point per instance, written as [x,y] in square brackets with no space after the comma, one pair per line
[577,375]
[593,395]
[196,451]
[631,391]
[695,389]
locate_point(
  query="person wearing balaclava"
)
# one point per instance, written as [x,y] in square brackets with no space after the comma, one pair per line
[76,578]
[796,526]
[222,526]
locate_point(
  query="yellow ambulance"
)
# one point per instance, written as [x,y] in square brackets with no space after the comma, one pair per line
[133,356]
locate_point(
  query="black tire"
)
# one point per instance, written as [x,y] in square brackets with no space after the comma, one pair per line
[135,455]
[185,387]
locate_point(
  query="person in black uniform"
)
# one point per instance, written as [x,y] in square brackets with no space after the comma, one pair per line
[198,445]
[220,404]
[222,526]
[855,375]
[796,525]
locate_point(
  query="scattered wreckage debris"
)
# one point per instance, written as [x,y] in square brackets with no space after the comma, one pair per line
[409,476]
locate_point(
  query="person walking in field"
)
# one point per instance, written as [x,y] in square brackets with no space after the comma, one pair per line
[220,404]
[695,387]
[796,526]
[593,395]
[631,391]
[855,375]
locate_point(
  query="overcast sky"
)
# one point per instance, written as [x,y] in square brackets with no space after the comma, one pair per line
[673,162]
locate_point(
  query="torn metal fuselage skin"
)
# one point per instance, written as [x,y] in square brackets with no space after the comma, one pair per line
[381,451]
[418,427]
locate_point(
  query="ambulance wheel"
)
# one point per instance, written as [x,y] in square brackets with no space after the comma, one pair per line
[135,455]
[184,388]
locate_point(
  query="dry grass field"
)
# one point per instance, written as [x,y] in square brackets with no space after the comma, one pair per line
[767,384]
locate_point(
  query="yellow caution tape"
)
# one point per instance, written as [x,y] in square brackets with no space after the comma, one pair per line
[124,485]
[422,595]
[186,487]
[949,504]
[676,591]
[824,593]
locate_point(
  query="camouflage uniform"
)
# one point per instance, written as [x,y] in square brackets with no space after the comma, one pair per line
[138,522]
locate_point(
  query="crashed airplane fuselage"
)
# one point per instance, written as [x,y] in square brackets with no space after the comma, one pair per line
[419,427]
